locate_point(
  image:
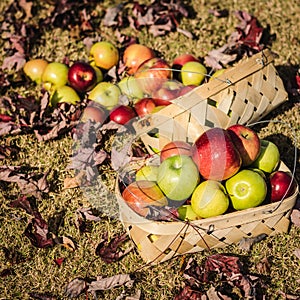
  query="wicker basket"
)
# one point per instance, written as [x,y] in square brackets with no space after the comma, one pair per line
[243,94]
[158,241]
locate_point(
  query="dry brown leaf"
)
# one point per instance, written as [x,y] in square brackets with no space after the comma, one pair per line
[107,283]
[295,217]
[27,8]
[297,252]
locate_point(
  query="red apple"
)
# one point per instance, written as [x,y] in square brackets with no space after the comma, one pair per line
[93,113]
[282,185]
[246,141]
[175,148]
[134,55]
[152,74]
[144,106]
[168,91]
[186,89]
[122,114]
[140,194]
[179,61]
[82,76]
[215,155]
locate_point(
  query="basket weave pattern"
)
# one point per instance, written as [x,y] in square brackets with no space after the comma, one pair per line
[243,94]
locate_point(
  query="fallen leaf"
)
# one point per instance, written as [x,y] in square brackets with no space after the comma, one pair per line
[111,16]
[38,234]
[247,243]
[75,287]
[188,293]
[16,61]
[59,261]
[66,242]
[106,283]
[297,252]
[30,183]
[39,296]
[7,272]
[263,267]
[87,214]
[295,217]
[27,6]
[110,251]
[219,13]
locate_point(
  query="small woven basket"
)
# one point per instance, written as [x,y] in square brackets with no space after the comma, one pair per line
[158,241]
[243,94]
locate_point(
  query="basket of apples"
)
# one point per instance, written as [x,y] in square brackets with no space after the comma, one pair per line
[201,186]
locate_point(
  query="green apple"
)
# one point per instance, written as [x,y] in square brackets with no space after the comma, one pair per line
[64,94]
[54,76]
[99,73]
[193,73]
[148,172]
[269,157]
[105,93]
[130,87]
[177,177]
[217,73]
[186,213]
[246,189]
[210,199]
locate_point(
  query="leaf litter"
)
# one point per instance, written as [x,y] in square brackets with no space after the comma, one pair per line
[24,115]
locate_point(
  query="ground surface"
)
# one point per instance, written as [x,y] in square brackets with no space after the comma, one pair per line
[33,270]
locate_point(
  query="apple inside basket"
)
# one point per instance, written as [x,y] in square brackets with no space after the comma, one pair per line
[158,241]
[162,234]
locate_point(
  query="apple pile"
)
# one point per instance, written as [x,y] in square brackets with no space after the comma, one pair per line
[223,170]
[149,82]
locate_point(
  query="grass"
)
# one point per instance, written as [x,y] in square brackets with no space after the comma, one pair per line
[35,269]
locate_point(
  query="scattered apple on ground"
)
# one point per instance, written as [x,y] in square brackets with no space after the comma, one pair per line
[152,74]
[131,88]
[104,54]
[105,93]
[93,113]
[134,55]
[55,75]
[179,61]
[65,94]
[82,76]
[35,68]
[144,106]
